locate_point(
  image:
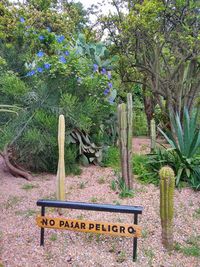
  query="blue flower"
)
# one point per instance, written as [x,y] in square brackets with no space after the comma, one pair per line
[107,91]
[40,54]
[40,69]
[22,20]
[30,73]
[66,53]
[95,67]
[103,71]
[41,37]
[110,85]
[47,66]
[60,38]
[109,75]
[62,59]
[48,29]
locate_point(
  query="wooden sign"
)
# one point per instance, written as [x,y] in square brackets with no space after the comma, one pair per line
[115,229]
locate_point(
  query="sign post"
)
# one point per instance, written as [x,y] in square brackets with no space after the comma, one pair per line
[114,229]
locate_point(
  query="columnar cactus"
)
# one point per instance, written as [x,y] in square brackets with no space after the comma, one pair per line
[129,138]
[125,140]
[60,192]
[167,184]
[153,134]
[122,121]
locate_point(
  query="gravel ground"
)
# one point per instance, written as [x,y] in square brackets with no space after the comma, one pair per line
[19,235]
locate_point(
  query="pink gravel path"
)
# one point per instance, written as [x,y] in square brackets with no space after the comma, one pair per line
[19,235]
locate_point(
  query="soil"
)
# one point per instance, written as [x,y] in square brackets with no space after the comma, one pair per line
[19,235]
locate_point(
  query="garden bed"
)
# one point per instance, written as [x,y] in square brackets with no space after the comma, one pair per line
[19,235]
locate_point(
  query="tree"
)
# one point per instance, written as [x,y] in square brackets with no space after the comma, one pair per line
[161,40]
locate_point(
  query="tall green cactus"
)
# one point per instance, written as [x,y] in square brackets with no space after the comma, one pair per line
[153,134]
[167,184]
[60,192]
[125,140]
[122,121]
[129,138]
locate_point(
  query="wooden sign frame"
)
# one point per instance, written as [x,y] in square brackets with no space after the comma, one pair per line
[114,229]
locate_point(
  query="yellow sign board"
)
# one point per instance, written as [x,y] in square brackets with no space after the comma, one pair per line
[115,229]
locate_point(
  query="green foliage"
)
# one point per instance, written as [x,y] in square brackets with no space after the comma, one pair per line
[139,123]
[140,127]
[150,32]
[70,87]
[119,184]
[121,257]
[98,52]
[29,186]
[191,249]
[197,214]
[185,142]
[12,86]
[9,108]
[111,157]
[144,169]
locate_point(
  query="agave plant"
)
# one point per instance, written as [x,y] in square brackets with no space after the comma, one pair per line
[185,141]
[88,151]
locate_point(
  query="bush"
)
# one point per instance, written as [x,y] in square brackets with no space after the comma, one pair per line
[144,170]
[57,77]
[111,157]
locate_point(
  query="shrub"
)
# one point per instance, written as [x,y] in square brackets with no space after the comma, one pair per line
[144,170]
[61,77]
[111,157]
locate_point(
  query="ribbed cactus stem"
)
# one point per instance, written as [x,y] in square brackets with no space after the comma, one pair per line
[125,119]
[60,192]
[167,185]
[122,118]
[129,138]
[153,134]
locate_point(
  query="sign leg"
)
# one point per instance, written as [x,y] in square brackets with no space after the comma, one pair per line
[42,229]
[135,240]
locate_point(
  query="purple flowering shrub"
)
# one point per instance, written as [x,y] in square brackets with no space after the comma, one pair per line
[57,79]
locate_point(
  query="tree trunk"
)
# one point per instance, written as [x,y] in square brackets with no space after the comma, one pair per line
[15,171]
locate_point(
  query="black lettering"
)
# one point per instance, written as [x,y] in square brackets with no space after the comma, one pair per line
[97,227]
[114,228]
[62,223]
[51,222]
[131,230]
[76,225]
[44,221]
[91,226]
[104,228]
[82,225]
[67,224]
[122,229]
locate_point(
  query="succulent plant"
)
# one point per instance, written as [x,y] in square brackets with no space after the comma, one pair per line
[125,139]
[167,185]
[60,192]
[88,151]
[153,134]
